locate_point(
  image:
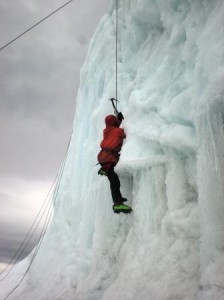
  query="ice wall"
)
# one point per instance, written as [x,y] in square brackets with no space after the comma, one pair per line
[170,86]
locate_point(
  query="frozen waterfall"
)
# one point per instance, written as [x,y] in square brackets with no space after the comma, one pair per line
[171,92]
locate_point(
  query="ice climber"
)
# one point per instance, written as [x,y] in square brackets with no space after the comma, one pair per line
[108,157]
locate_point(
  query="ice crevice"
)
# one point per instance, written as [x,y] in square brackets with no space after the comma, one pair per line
[170,87]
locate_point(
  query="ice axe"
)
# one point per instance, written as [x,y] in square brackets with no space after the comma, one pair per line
[118,114]
[114,106]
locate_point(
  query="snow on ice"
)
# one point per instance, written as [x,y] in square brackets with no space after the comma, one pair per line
[170,87]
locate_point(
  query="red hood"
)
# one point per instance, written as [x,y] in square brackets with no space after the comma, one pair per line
[111,120]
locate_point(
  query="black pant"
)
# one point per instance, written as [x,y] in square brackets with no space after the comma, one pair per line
[114,186]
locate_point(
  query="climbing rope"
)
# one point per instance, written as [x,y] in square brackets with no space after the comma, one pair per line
[45,225]
[28,237]
[16,38]
[44,229]
[114,100]
[30,233]
[116,34]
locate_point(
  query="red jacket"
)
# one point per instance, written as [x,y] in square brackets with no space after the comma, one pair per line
[112,142]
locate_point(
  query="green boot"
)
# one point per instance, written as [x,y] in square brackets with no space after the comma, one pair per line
[121,208]
[102,172]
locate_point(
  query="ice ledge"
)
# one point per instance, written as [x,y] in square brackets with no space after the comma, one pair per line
[126,166]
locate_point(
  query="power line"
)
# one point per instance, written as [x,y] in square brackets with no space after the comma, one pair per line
[16,38]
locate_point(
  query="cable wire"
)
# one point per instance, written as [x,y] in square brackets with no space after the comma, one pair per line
[46,223]
[14,259]
[17,37]
[24,245]
[44,229]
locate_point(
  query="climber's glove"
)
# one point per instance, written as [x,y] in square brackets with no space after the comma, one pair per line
[120,116]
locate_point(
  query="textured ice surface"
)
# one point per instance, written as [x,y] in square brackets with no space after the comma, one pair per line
[170,86]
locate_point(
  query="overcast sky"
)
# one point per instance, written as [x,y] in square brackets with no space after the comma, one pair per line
[39,78]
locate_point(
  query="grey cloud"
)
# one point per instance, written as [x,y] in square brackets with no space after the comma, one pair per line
[39,78]
[13,231]
[10,241]
[7,205]
[7,200]
[82,40]
[34,141]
